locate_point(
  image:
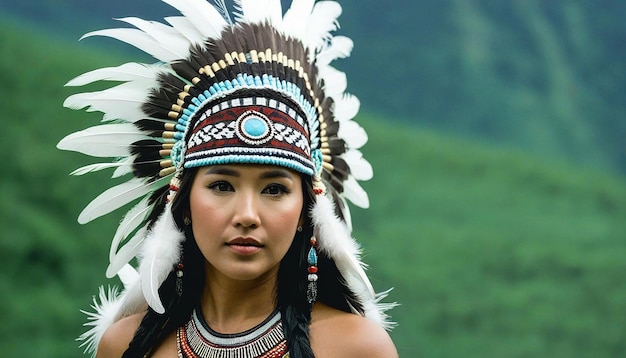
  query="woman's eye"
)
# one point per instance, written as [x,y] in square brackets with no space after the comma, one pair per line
[221,186]
[275,190]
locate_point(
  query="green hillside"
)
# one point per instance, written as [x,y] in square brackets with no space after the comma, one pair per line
[492,253]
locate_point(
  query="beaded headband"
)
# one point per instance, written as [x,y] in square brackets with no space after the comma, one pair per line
[254,130]
[256,89]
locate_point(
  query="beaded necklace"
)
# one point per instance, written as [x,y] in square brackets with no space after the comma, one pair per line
[197,340]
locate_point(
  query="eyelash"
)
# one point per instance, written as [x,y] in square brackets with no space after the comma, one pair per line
[281,188]
[223,186]
[219,186]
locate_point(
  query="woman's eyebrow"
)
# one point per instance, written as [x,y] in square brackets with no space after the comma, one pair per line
[277,173]
[222,171]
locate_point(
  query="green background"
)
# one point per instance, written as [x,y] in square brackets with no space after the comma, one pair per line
[498,203]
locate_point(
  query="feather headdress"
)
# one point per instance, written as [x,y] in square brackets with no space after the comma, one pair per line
[254,86]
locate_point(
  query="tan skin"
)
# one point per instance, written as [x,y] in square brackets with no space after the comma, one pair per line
[264,203]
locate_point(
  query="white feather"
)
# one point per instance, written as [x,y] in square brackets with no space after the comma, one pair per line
[159,254]
[133,218]
[346,107]
[127,72]
[296,18]
[345,211]
[166,36]
[206,19]
[257,11]
[335,81]
[360,168]
[118,196]
[129,276]
[125,166]
[339,47]
[334,239]
[123,101]
[186,29]
[94,168]
[321,22]
[382,307]
[275,10]
[127,252]
[132,302]
[106,140]
[105,306]
[353,134]
[353,192]
[220,6]
[140,40]
[108,306]
[333,235]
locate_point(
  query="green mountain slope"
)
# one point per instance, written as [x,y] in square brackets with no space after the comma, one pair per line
[491,252]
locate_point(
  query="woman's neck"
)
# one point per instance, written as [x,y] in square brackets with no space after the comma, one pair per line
[234,306]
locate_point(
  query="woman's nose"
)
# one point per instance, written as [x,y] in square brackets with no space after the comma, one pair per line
[246,211]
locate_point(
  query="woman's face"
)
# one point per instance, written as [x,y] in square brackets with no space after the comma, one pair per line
[244,217]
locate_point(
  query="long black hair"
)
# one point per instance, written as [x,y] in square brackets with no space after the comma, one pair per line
[291,288]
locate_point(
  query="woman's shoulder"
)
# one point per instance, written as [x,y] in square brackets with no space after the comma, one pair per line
[341,334]
[116,338]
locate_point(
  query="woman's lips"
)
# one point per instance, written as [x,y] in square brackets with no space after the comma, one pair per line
[244,245]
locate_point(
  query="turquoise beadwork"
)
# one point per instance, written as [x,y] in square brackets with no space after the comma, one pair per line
[255,127]
[312,257]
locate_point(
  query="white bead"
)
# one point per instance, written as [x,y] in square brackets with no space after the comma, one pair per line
[312,277]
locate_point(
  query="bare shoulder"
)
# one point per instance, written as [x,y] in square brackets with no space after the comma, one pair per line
[115,340]
[335,333]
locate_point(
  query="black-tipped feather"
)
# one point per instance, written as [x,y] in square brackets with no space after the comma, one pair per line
[337,146]
[151,127]
[341,169]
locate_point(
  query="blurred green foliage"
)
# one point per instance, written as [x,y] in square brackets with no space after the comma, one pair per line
[492,252]
[546,76]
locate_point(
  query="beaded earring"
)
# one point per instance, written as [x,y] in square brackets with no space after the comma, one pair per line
[178,268]
[311,292]
[179,278]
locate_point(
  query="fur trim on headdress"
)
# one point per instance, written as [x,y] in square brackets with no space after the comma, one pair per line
[107,308]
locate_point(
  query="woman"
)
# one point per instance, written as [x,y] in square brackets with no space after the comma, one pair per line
[245,221]
[241,147]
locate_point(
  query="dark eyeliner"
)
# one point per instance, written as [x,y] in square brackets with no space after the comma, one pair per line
[225,186]
[283,189]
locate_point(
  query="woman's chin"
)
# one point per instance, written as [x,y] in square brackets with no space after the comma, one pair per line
[246,271]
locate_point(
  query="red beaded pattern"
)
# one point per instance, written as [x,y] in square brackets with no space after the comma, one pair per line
[196,340]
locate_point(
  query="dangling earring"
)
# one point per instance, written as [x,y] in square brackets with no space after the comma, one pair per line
[179,277]
[311,292]
[180,266]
